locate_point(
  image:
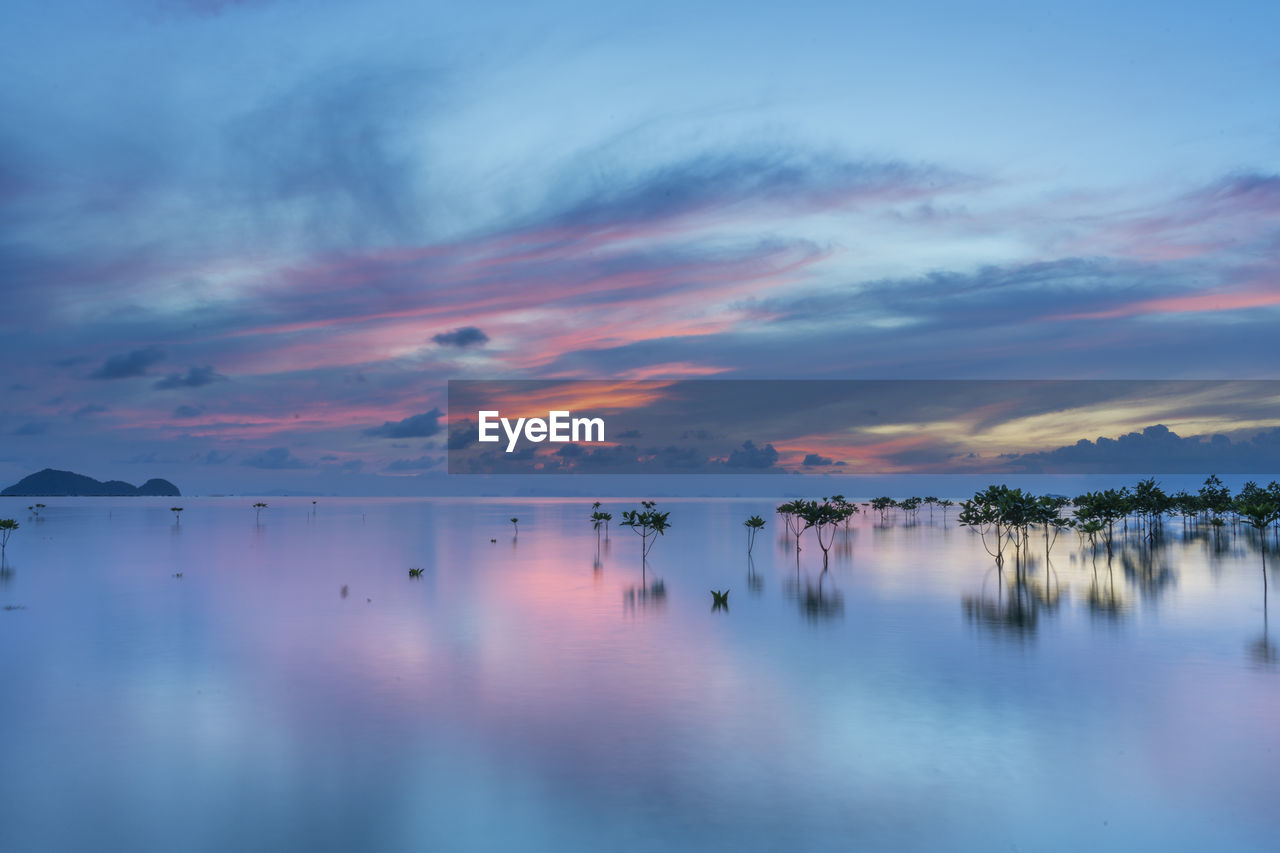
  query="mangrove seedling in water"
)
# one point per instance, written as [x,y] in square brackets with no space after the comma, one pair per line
[515,522]
[791,513]
[825,518]
[598,520]
[946,505]
[415,573]
[7,526]
[257,511]
[882,505]
[754,525]
[648,524]
[719,600]
[177,515]
[1259,513]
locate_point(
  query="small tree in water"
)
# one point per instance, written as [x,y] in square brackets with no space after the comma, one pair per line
[825,518]
[1259,513]
[796,526]
[257,511]
[754,525]
[7,526]
[515,522]
[647,523]
[177,515]
[600,520]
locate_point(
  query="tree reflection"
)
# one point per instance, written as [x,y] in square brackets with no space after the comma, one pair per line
[1262,651]
[644,596]
[819,602]
[755,583]
[1102,598]
[1146,566]
[1013,614]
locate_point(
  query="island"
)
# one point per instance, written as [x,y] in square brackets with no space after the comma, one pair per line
[53,483]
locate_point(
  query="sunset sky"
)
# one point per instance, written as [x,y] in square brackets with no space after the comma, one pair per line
[244,245]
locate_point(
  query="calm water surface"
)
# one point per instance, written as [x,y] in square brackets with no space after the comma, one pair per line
[295,689]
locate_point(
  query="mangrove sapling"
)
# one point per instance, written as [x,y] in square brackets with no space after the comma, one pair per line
[1259,513]
[257,511]
[415,573]
[946,505]
[910,507]
[848,508]
[1048,514]
[515,522]
[720,600]
[648,524]
[7,527]
[825,518]
[930,501]
[982,514]
[754,525]
[791,513]
[599,520]
[177,515]
[883,505]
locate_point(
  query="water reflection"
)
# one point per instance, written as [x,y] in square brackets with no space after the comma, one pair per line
[755,582]
[644,596]
[528,710]
[818,602]
[1015,615]
[1102,598]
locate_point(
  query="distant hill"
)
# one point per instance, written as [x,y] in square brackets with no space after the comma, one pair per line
[51,483]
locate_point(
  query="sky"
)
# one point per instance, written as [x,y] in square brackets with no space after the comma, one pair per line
[245,245]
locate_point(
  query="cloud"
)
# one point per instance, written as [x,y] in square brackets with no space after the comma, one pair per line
[275,458]
[90,409]
[1156,450]
[422,463]
[713,181]
[185,411]
[750,456]
[414,426]
[461,338]
[132,364]
[814,460]
[32,428]
[195,377]
[330,153]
